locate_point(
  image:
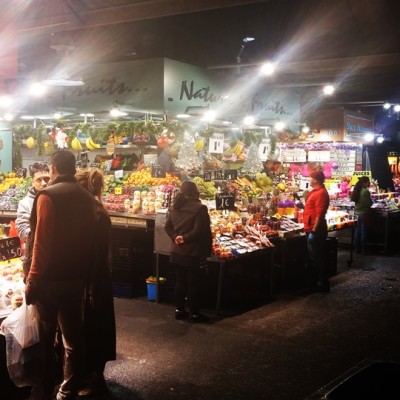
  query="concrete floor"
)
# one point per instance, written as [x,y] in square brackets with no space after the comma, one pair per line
[282,349]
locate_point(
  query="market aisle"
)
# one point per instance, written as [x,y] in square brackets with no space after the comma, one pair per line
[285,349]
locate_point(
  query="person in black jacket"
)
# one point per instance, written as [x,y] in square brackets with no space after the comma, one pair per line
[188,226]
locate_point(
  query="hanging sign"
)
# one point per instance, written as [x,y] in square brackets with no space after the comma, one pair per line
[230,174]
[207,176]
[10,248]
[218,175]
[264,148]
[224,201]
[319,156]
[293,155]
[216,143]
[359,174]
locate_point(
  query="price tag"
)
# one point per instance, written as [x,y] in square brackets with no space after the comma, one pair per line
[318,156]
[207,176]
[216,143]
[10,248]
[119,174]
[230,174]
[94,165]
[224,201]
[78,164]
[118,190]
[264,149]
[218,174]
[157,171]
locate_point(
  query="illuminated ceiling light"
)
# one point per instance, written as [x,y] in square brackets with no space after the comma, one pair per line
[182,116]
[28,117]
[380,139]
[209,116]
[8,117]
[226,122]
[279,126]
[267,69]
[5,101]
[328,89]
[369,137]
[57,115]
[305,129]
[248,120]
[116,112]
[86,115]
[248,39]
[65,81]
[396,108]
[386,106]
[37,89]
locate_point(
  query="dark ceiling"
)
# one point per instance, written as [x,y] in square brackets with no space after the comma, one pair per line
[353,43]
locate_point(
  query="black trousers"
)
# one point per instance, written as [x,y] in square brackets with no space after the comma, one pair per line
[188,284]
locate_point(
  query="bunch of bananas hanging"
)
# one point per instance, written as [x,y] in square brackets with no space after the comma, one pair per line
[76,144]
[91,145]
[238,148]
[199,144]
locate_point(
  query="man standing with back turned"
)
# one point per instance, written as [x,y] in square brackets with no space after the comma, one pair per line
[63,221]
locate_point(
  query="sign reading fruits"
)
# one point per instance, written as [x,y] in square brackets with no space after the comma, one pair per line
[10,248]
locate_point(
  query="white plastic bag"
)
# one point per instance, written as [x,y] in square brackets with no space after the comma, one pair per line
[23,324]
[23,350]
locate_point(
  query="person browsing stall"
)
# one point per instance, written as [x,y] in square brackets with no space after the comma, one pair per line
[188,226]
[316,206]
[63,222]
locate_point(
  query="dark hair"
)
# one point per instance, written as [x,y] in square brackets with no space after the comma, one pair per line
[64,162]
[187,192]
[355,196]
[38,167]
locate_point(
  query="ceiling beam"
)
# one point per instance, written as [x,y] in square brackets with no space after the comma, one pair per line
[122,13]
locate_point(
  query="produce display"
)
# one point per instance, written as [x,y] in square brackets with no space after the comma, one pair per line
[11,285]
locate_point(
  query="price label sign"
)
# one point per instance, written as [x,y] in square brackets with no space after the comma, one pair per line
[157,171]
[21,172]
[216,143]
[218,174]
[119,174]
[94,165]
[118,190]
[10,248]
[318,156]
[224,201]
[264,149]
[230,174]
[207,176]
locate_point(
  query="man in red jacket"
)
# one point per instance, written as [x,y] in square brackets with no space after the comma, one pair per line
[315,226]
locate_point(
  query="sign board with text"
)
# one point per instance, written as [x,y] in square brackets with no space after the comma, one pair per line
[10,248]
[224,201]
[359,174]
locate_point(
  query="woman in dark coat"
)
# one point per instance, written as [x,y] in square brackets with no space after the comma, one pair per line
[99,315]
[188,226]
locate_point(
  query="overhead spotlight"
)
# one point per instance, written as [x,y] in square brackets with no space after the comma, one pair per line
[279,126]
[116,112]
[248,39]
[37,89]
[182,116]
[5,101]
[57,115]
[380,139]
[386,106]
[396,108]
[248,120]
[305,129]
[368,137]
[209,116]
[8,117]
[328,89]
[267,69]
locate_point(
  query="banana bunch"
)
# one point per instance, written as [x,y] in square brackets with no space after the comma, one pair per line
[238,148]
[30,142]
[199,144]
[91,145]
[76,145]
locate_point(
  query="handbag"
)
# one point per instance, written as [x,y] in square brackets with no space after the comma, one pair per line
[21,331]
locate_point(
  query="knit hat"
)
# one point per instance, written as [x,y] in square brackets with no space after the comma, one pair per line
[318,176]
